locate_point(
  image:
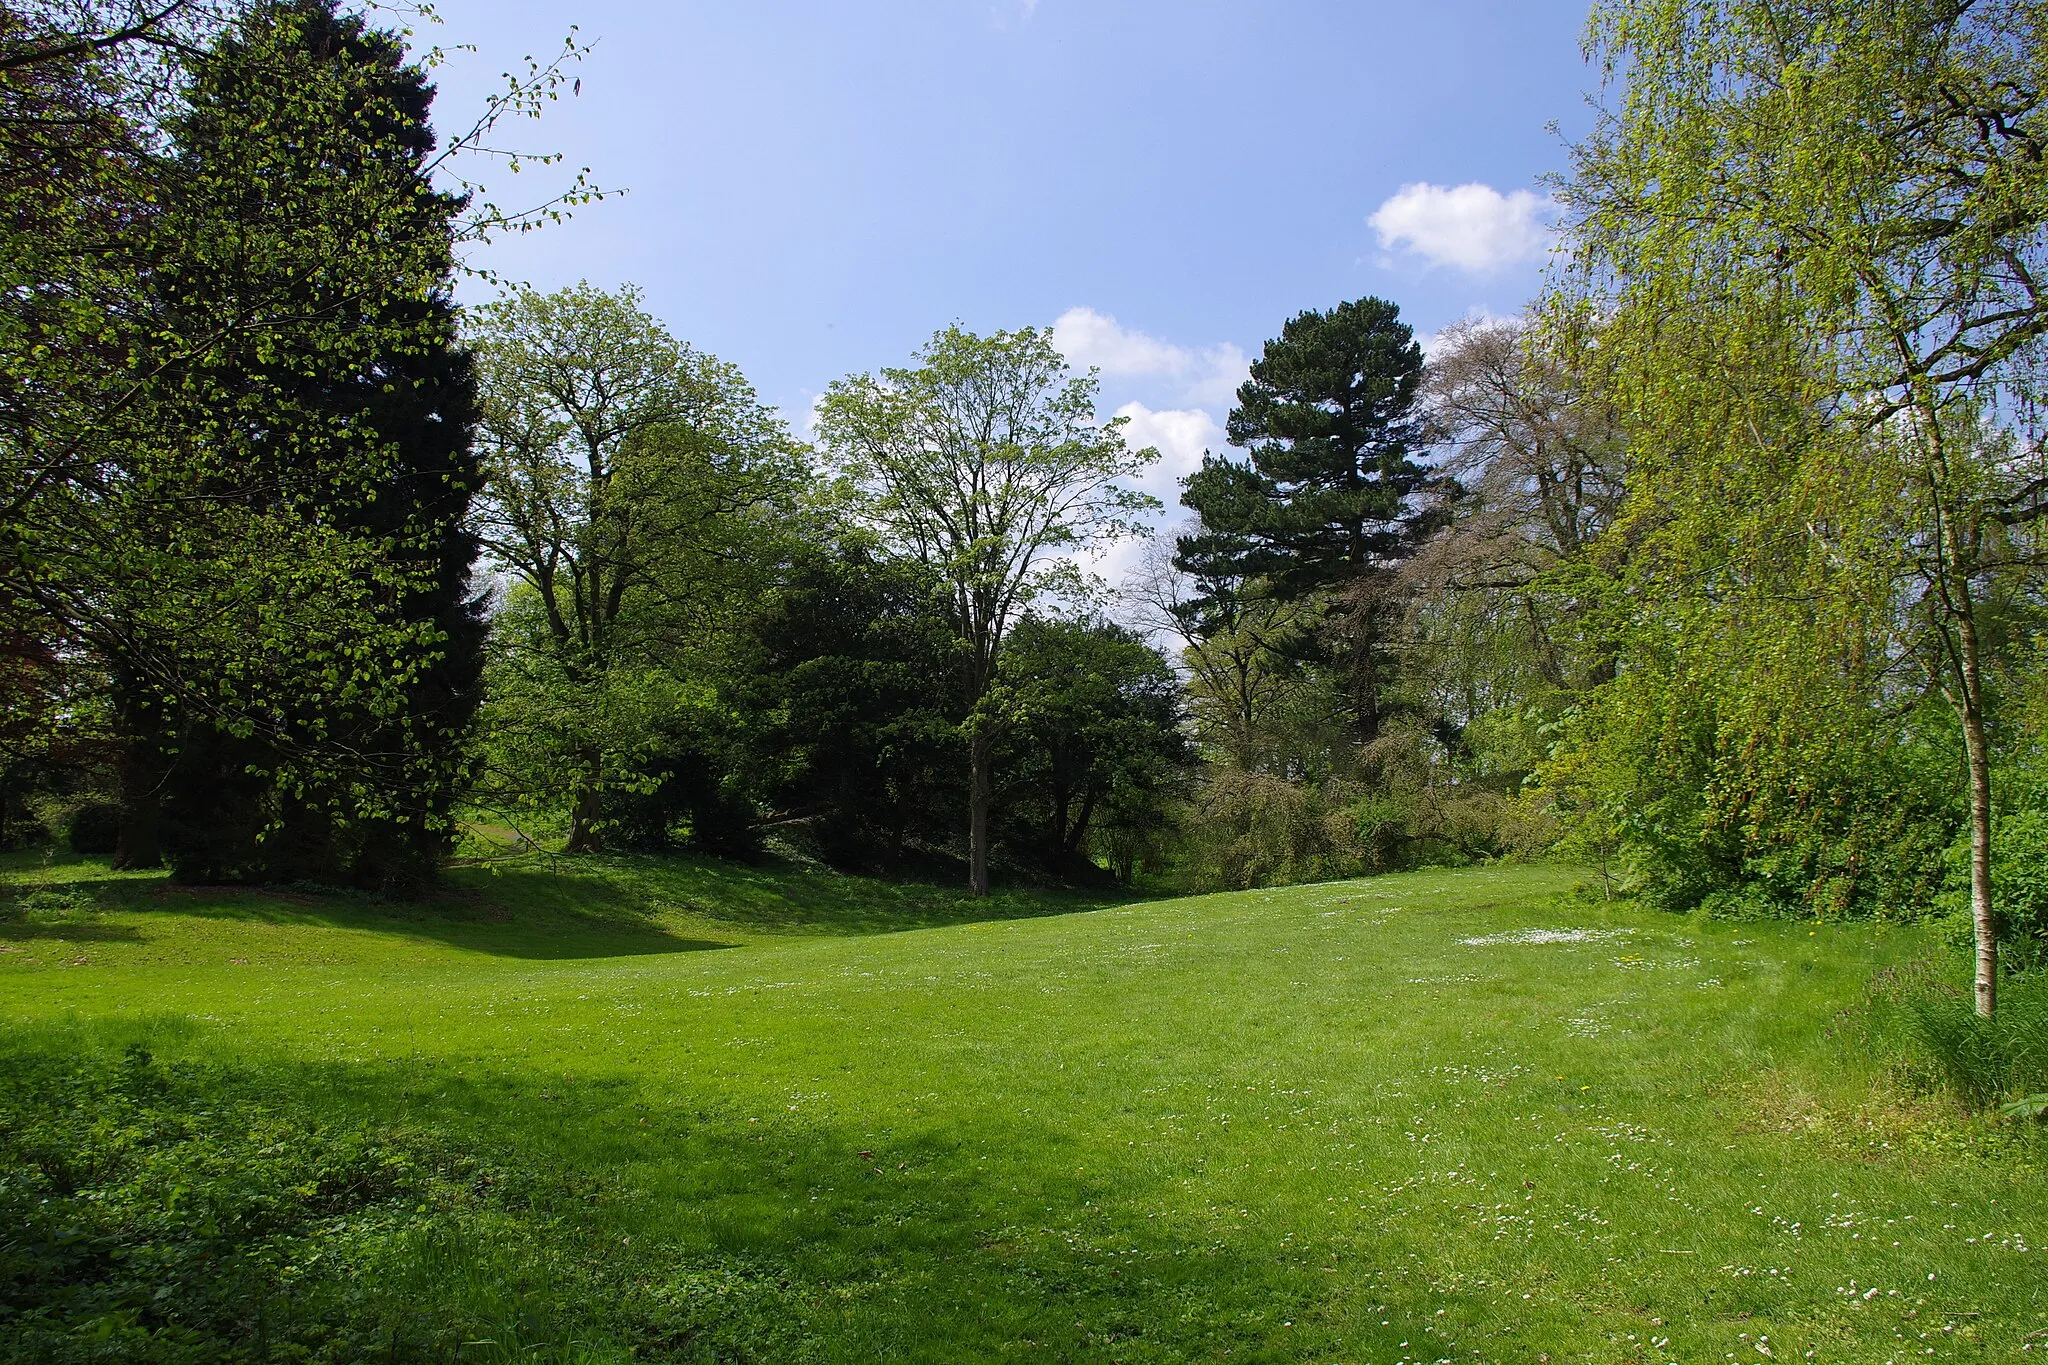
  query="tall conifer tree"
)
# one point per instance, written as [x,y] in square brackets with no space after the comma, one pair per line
[1328,500]
[301,184]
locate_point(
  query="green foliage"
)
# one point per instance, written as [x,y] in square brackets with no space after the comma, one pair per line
[1251,829]
[983,461]
[641,496]
[2019,879]
[1328,425]
[364,424]
[95,828]
[172,1213]
[56,905]
[1809,233]
[1932,1027]
[1327,499]
[857,698]
[2026,1107]
[1254,697]
[237,447]
[1092,745]
[1696,792]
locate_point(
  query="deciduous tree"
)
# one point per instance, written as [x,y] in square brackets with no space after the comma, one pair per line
[635,486]
[1853,197]
[985,462]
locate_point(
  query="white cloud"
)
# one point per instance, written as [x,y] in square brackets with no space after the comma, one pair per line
[1478,315]
[1208,375]
[1473,227]
[804,424]
[1179,434]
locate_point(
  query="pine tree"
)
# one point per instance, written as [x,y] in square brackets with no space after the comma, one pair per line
[1330,498]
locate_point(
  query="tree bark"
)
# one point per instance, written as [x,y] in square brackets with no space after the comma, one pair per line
[141,772]
[584,814]
[1978,754]
[981,791]
[1077,837]
[1365,675]
[1062,798]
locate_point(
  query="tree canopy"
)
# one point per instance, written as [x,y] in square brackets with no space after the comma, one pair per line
[1328,496]
[984,461]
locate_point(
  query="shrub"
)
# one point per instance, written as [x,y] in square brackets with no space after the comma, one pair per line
[1251,829]
[95,829]
[1374,829]
[2019,886]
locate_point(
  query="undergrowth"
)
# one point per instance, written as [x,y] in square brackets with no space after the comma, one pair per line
[184,1212]
[1929,1024]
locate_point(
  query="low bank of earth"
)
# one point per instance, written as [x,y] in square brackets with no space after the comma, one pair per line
[682,1111]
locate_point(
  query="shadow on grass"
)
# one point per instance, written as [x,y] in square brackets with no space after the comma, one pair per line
[548,907]
[594,1211]
[774,897]
[600,926]
[71,928]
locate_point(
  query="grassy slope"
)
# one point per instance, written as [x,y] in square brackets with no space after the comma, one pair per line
[1305,1124]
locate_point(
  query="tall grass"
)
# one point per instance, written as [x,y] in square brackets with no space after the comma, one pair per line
[1931,1024]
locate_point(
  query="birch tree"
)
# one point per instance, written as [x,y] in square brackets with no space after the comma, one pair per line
[1858,191]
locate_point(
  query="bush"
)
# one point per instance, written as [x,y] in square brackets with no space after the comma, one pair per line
[1253,829]
[94,829]
[2019,887]
[1692,789]
[1250,829]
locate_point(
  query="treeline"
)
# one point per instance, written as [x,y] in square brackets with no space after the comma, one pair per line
[709,635]
[1719,569]
[303,573]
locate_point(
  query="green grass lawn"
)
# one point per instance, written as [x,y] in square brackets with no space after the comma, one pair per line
[723,1114]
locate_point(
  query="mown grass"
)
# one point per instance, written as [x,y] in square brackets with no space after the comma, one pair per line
[1372,1121]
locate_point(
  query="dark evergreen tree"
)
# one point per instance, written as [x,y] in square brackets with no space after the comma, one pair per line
[1095,739]
[1330,498]
[302,185]
[860,693]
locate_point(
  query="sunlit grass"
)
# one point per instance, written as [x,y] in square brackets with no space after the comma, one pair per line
[1436,1116]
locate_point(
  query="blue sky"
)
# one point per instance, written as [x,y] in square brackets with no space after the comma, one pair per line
[814,188]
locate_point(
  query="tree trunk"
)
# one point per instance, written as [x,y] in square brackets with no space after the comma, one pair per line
[584,814]
[981,791]
[1062,798]
[141,773]
[1365,677]
[1974,747]
[1077,837]
[1956,557]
